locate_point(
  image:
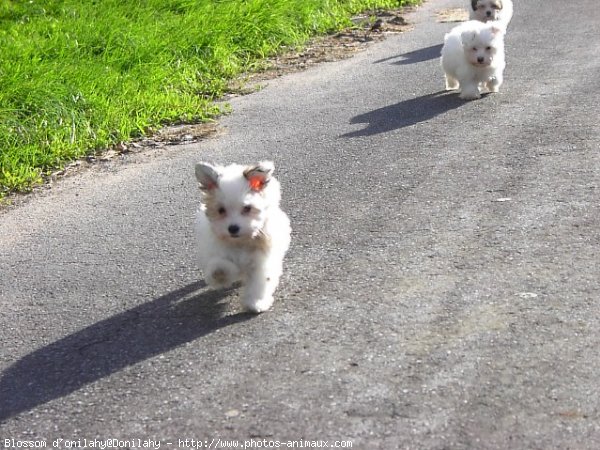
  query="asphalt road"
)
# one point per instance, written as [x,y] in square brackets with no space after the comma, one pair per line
[441,291]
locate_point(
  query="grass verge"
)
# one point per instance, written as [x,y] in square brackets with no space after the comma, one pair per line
[77,76]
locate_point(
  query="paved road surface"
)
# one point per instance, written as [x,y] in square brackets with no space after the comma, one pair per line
[441,291]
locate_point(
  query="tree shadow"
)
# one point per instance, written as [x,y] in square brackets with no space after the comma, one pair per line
[416,56]
[113,344]
[406,113]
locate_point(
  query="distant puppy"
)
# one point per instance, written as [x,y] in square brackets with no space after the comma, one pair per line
[242,232]
[492,10]
[473,58]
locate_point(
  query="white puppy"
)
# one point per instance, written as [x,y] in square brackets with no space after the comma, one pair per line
[492,10]
[242,232]
[473,58]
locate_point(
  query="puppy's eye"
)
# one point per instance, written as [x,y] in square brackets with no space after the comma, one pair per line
[247,209]
[474,49]
[222,211]
[488,48]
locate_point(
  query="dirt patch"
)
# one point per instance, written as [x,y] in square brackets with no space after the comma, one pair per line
[368,28]
[452,15]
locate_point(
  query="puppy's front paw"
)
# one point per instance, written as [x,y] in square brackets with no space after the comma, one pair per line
[221,274]
[493,87]
[258,306]
[219,277]
[470,95]
[451,83]
[469,91]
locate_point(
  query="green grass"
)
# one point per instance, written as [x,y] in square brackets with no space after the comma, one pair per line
[77,76]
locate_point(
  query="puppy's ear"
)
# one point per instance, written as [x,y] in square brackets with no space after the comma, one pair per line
[467,37]
[207,176]
[259,176]
[474,4]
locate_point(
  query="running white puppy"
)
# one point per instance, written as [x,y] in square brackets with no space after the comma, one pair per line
[242,232]
[473,58]
[500,11]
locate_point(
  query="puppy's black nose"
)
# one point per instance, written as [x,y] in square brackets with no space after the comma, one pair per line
[489,14]
[233,229]
[480,60]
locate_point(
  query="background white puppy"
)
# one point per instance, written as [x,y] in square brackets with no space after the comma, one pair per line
[473,58]
[242,232]
[491,10]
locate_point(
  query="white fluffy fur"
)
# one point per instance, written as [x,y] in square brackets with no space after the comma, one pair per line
[500,11]
[242,233]
[473,58]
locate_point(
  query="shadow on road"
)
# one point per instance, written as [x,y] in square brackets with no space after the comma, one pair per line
[417,56]
[405,113]
[111,345]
